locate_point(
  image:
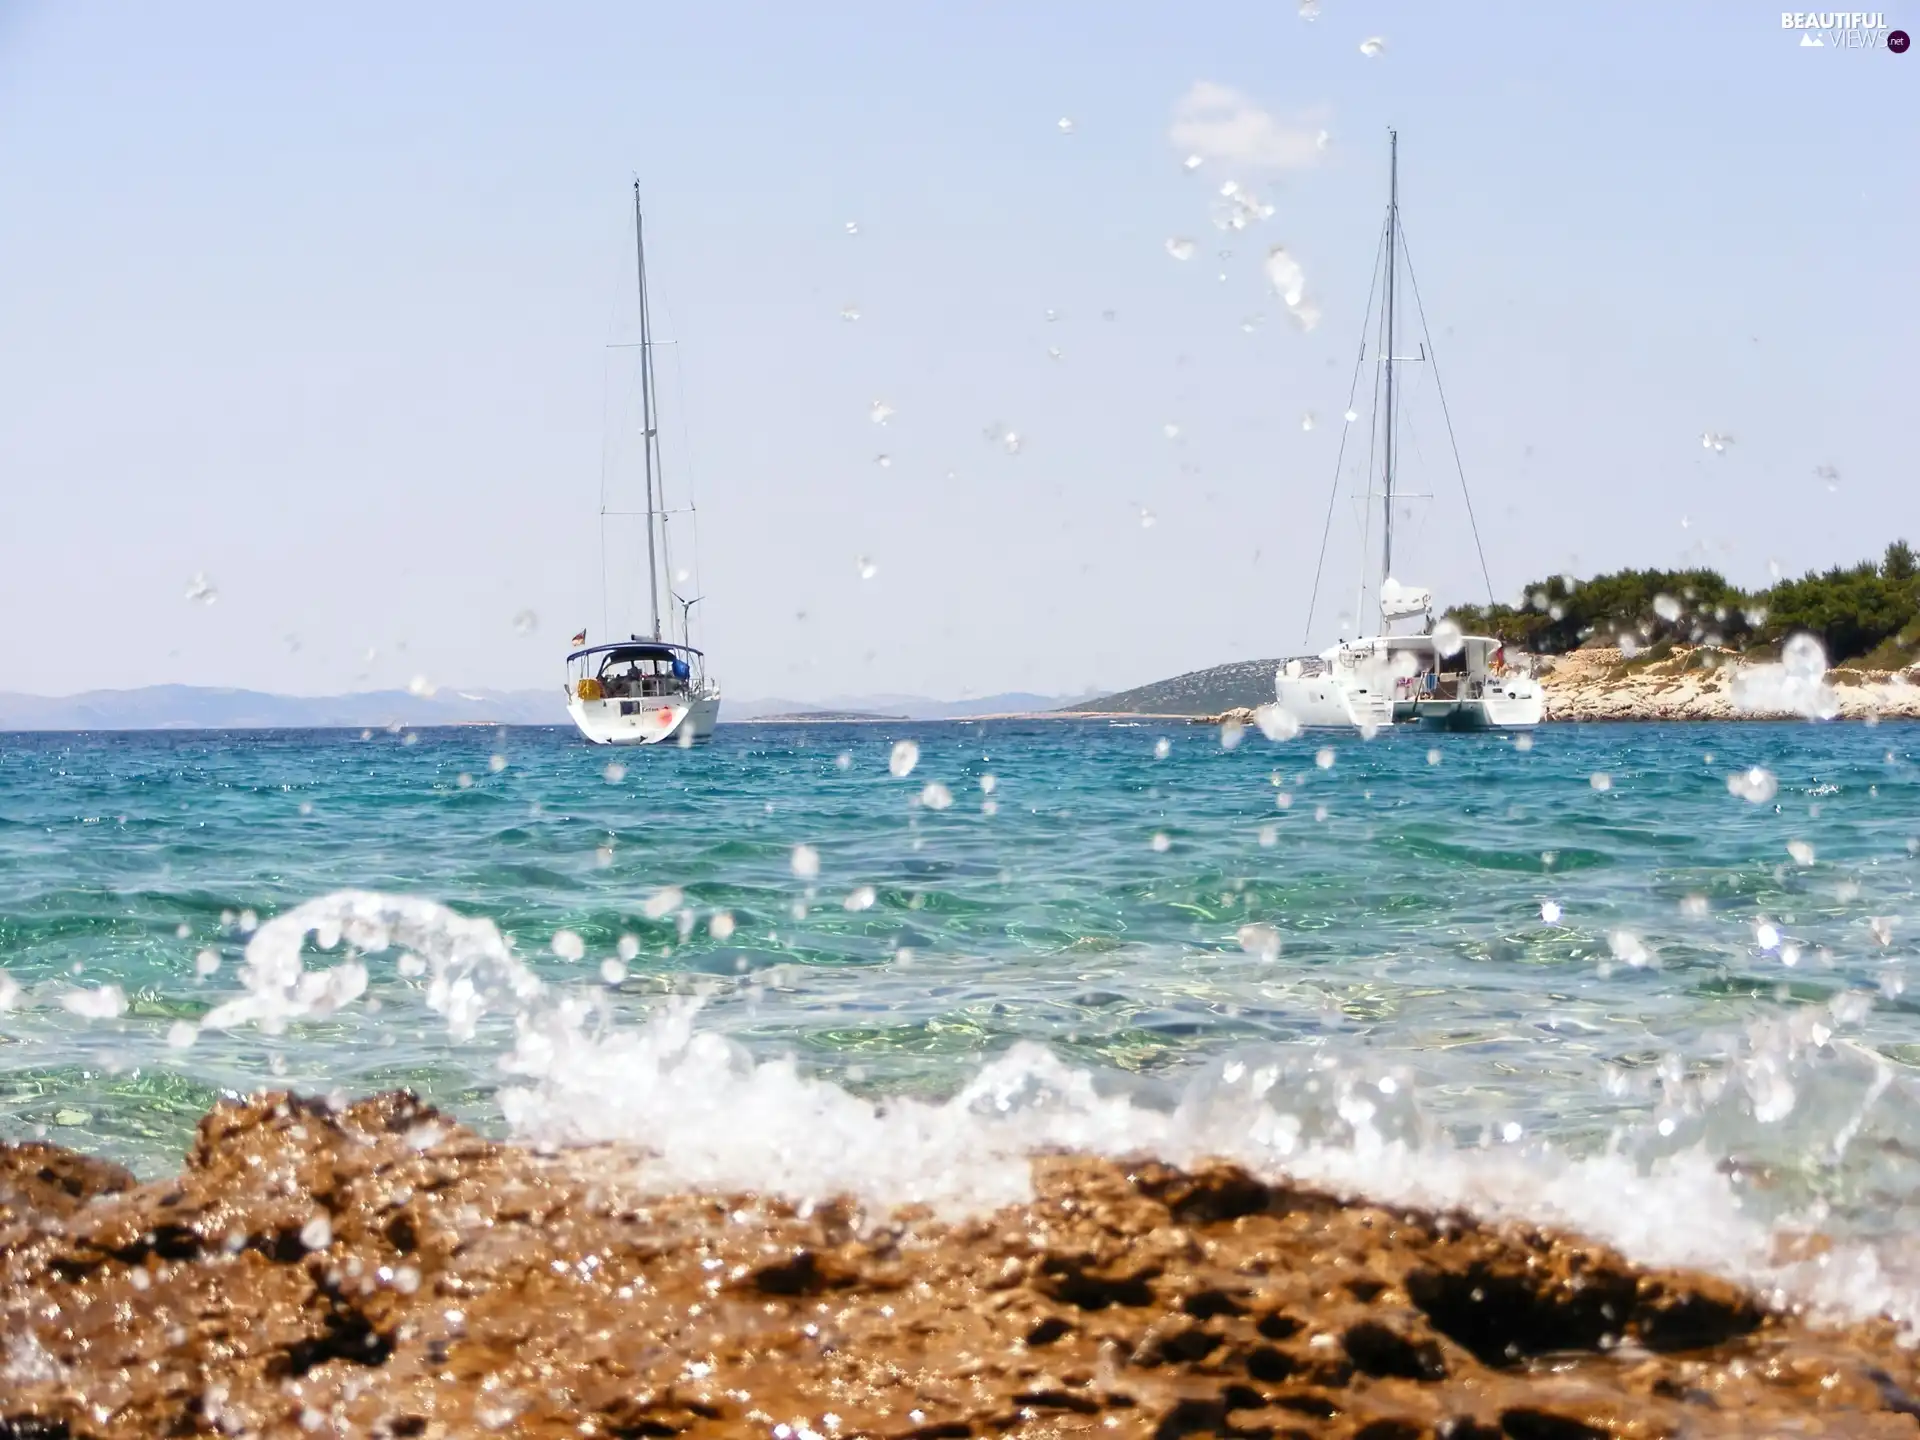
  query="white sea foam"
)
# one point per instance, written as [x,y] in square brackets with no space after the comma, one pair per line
[704,1112]
[470,965]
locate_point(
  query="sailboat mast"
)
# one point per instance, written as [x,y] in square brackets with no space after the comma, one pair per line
[1393,226]
[650,431]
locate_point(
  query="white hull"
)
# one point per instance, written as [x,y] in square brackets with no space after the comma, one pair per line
[1323,702]
[1370,684]
[1519,705]
[681,719]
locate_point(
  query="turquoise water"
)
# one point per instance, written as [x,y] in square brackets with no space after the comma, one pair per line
[1094,902]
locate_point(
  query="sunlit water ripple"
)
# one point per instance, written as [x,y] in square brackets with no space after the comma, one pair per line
[1405,882]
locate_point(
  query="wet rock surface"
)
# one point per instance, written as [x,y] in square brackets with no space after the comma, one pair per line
[379,1271]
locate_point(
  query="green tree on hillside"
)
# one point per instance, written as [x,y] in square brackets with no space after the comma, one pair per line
[1867,613]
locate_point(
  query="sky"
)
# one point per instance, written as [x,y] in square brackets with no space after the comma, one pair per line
[320,309]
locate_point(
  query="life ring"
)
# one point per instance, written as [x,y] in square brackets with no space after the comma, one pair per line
[588,689]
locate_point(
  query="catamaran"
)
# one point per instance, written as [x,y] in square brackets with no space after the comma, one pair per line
[1432,673]
[645,689]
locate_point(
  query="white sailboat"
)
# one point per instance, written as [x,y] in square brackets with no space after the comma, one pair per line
[645,689]
[1432,674]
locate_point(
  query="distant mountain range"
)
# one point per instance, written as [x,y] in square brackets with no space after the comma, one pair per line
[200,707]
[906,707]
[1198,692]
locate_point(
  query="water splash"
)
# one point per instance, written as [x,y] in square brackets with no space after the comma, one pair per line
[1796,686]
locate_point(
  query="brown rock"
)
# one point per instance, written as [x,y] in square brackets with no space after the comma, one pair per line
[382,1272]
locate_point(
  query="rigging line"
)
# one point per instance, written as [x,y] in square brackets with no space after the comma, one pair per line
[606,387]
[686,446]
[1459,469]
[1353,388]
[1373,438]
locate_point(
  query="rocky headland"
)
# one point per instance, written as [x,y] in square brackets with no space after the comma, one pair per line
[380,1271]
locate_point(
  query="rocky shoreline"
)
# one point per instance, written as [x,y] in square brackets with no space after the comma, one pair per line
[1682,683]
[380,1271]
[1699,684]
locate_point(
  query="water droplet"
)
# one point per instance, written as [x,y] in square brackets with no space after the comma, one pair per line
[497,763]
[905,755]
[1447,638]
[853,227]
[885,462]
[1351,416]
[1766,936]
[1756,786]
[805,861]
[1600,780]
[720,927]
[1716,443]
[663,902]
[181,1035]
[1262,941]
[1162,748]
[615,772]
[421,688]
[1161,844]
[612,972]
[1290,282]
[568,945]
[880,412]
[526,622]
[1232,732]
[1309,9]
[317,1233]
[849,312]
[1192,163]
[1667,608]
[1064,125]
[867,569]
[1324,757]
[861,898]
[1550,911]
[1433,757]
[1801,852]
[1147,519]
[1372,46]
[201,590]
[1180,248]
[1309,420]
[1523,743]
[206,963]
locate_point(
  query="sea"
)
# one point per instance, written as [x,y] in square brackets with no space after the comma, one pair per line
[1656,983]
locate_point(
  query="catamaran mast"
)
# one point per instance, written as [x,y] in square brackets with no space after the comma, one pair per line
[650,431]
[1393,225]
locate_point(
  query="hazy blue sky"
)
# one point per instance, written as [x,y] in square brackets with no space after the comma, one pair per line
[315,300]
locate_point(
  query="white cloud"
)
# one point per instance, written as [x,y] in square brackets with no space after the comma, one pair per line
[1217,122]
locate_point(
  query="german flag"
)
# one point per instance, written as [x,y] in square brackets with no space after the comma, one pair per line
[581,638]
